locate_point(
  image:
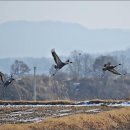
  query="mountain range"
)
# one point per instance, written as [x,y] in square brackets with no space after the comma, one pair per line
[36,39]
[31,42]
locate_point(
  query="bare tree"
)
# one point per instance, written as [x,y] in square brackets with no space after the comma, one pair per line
[87,62]
[19,68]
[75,68]
[82,64]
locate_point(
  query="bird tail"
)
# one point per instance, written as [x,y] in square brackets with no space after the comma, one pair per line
[68,61]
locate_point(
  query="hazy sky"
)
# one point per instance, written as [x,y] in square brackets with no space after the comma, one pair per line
[91,14]
[95,14]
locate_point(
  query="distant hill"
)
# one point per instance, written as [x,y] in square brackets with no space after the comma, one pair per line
[125,53]
[42,64]
[36,39]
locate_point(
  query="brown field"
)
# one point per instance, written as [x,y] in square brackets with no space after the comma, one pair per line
[65,117]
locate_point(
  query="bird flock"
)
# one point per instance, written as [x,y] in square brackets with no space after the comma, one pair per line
[59,64]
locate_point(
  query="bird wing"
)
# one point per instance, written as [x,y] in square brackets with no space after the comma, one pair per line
[55,56]
[114,71]
[2,77]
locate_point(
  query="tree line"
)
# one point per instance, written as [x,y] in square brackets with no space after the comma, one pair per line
[78,81]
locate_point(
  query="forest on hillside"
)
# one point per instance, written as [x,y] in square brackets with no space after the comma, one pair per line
[81,80]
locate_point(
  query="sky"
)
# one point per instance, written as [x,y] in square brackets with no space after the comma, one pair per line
[91,14]
[95,14]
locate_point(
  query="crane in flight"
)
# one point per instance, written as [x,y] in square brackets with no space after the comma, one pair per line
[111,68]
[8,81]
[58,63]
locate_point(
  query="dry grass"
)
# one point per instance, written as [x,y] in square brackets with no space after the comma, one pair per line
[107,101]
[114,119]
[56,102]
[24,102]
